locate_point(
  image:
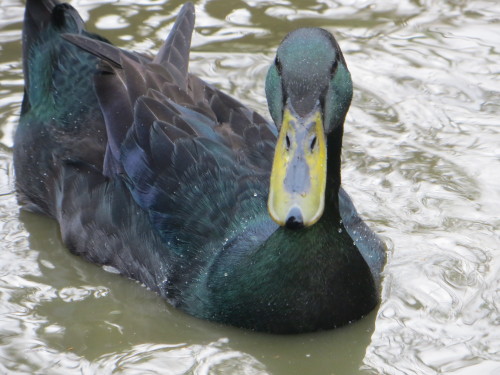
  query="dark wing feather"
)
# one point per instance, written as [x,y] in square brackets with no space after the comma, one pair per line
[160,142]
[104,51]
[114,97]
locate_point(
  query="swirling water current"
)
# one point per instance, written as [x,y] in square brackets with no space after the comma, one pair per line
[421,160]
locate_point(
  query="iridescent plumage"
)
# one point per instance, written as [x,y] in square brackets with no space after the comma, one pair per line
[151,170]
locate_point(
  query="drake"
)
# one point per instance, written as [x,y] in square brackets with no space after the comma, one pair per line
[151,170]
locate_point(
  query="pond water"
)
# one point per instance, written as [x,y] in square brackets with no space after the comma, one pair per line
[421,160]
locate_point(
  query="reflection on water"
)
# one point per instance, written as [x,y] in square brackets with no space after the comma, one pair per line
[421,160]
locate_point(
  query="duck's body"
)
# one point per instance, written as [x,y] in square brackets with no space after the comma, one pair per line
[160,175]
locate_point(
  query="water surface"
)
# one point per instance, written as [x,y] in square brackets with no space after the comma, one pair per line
[421,160]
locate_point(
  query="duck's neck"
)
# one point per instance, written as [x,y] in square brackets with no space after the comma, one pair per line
[334,143]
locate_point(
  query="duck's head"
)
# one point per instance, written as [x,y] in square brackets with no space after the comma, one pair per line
[309,90]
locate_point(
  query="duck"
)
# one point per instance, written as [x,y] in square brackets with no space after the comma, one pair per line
[154,172]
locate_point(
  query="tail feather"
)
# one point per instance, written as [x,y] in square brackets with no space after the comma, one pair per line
[41,16]
[47,59]
[37,17]
[60,115]
[174,54]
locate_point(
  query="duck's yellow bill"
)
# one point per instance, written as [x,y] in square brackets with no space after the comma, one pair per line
[298,176]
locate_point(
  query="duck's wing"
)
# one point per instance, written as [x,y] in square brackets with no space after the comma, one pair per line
[192,156]
[369,244]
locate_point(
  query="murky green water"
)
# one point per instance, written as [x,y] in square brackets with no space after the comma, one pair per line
[421,160]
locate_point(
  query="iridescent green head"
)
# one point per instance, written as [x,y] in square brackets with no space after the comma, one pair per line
[309,90]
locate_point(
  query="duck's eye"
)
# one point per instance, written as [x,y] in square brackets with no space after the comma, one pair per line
[313,143]
[287,140]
